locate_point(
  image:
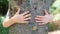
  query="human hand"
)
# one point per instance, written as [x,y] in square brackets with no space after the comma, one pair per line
[21,18]
[41,20]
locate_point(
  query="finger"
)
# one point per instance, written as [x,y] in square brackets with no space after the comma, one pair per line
[18,11]
[28,15]
[43,23]
[39,21]
[27,18]
[25,13]
[39,16]
[46,12]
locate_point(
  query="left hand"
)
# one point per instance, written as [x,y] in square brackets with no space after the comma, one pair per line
[41,20]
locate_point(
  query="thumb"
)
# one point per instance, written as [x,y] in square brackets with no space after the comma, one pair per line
[18,11]
[45,12]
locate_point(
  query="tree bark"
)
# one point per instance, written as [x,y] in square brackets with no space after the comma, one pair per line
[35,7]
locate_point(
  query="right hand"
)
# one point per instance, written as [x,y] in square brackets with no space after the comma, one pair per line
[21,18]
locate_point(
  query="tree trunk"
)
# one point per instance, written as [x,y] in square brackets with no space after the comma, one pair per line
[35,7]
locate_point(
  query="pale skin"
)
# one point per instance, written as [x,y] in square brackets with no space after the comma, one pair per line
[42,20]
[21,18]
[17,18]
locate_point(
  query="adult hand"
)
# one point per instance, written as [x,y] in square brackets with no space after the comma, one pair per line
[21,18]
[41,20]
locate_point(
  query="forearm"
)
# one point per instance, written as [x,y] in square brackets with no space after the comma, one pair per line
[8,22]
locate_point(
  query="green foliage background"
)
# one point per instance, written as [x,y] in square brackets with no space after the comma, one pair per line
[3,7]
[3,10]
[55,9]
[2,29]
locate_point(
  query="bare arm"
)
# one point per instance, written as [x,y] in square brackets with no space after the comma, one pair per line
[8,22]
[17,18]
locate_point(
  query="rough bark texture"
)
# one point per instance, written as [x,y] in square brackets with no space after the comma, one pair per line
[36,8]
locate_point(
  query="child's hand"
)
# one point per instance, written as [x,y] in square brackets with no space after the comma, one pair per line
[41,20]
[21,18]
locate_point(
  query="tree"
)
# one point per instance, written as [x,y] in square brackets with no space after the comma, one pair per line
[36,8]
